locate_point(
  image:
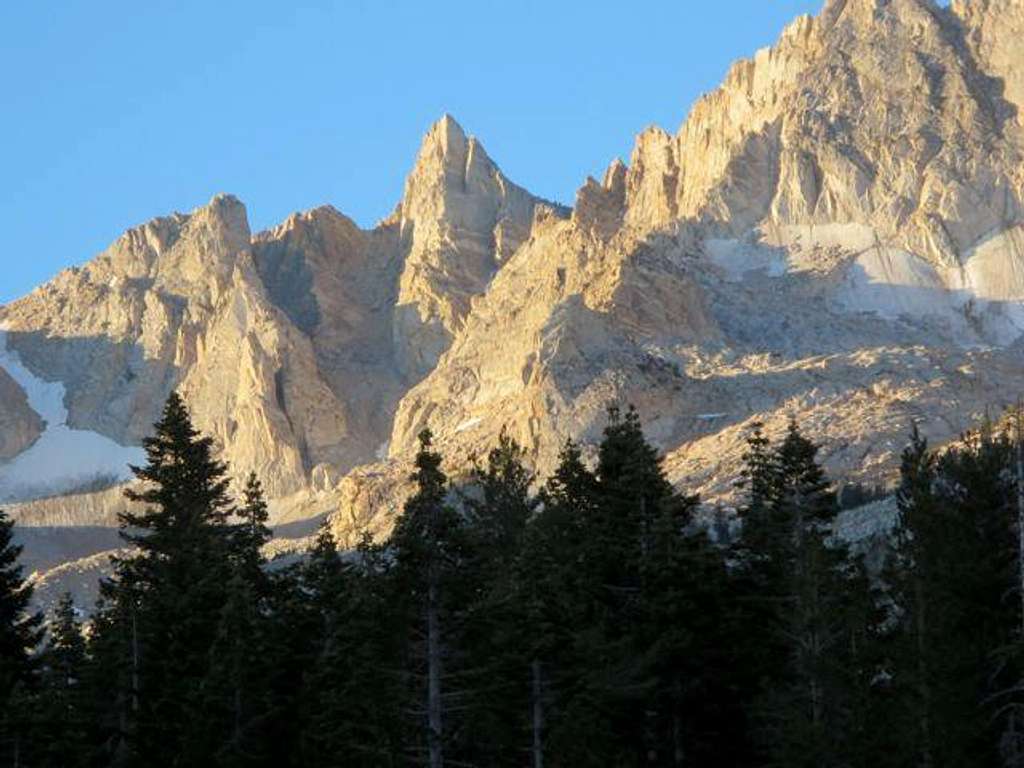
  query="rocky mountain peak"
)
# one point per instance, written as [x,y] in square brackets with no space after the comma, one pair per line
[836,231]
[895,114]
[453,182]
[460,219]
[191,254]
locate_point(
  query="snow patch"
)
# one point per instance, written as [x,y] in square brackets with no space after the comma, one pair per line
[994,268]
[983,299]
[893,283]
[738,258]
[62,459]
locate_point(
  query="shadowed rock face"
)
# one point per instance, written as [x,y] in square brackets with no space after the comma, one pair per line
[835,234]
[20,426]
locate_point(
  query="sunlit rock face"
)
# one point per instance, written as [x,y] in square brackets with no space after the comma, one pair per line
[835,234]
[459,220]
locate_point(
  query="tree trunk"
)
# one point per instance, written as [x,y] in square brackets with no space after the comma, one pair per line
[538,715]
[1020,509]
[434,706]
[678,750]
[135,662]
[924,689]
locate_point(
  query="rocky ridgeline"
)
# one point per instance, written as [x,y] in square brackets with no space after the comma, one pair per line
[835,234]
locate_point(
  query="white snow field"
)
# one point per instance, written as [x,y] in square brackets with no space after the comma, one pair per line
[62,459]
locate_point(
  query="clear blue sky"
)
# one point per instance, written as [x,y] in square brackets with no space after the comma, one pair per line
[115,112]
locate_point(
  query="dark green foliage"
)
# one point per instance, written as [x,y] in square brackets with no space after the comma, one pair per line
[953,579]
[354,694]
[167,600]
[430,547]
[587,622]
[20,628]
[251,534]
[808,606]
[62,728]
[493,630]
[624,603]
[20,634]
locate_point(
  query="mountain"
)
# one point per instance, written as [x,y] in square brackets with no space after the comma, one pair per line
[836,233]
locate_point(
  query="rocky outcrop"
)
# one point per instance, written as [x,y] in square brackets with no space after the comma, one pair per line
[339,285]
[178,304]
[880,113]
[992,30]
[459,220]
[834,234]
[20,426]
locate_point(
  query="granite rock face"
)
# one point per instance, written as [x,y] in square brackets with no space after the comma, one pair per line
[20,426]
[836,233]
[459,220]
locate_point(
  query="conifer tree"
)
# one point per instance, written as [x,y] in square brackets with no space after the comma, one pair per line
[226,724]
[954,564]
[552,586]
[295,637]
[496,668]
[633,495]
[20,634]
[228,712]
[62,733]
[666,617]
[169,595]
[252,533]
[430,548]
[803,579]
[109,679]
[500,515]
[20,627]
[352,702]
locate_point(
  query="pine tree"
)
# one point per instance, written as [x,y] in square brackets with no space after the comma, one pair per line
[804,580]
[227,718]
[352,702]
[632,496]
[667,616]
[908,576]
[496,669]
[430,548]
[295,637]
[504,506]
[252,533]
[552,589]
[168,596]
[228,713]
[693,715]
[954,563]
[623,597]
[20,634]
[62,733]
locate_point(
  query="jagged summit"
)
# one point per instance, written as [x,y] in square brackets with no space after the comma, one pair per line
[184,250]
[460,219]
[445,141]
